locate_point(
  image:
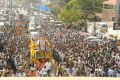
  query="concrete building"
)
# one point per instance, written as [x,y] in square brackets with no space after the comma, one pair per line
[108,13]
[45,1]
[117,16]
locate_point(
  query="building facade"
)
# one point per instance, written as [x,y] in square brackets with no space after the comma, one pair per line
[108,13]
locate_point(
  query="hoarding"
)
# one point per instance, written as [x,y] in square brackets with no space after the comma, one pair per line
[116,26]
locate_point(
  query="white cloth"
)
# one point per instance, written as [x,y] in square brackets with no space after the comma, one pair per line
[92,74]
[44,72]
[74,71]
[67,70]
[21,75]
[18,74]
[48,65]
[118,74]
[38,73]
[110,72]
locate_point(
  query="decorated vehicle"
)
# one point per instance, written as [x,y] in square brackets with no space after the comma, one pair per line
[40,49]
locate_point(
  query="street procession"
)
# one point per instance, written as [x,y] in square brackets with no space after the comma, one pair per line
[59,38]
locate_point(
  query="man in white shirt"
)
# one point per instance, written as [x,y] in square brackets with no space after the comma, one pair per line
[118,73]
[62,57]
[110,72]
[74,71]
[44,71]
[48,67]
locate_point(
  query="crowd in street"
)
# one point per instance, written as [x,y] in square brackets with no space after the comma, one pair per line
[78,57]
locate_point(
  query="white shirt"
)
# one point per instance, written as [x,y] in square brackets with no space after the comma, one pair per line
[44,71]
[118,74]
[62,56]
[38,73]
[48,65]
[92,74]
[117,58]
[21,74]
[68,70]
[74,71]
[110,72]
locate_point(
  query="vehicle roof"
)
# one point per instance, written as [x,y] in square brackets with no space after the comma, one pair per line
[102,23]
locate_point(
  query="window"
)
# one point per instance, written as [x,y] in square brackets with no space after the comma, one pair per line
[106,6]
[113,18]
[118,9]
[119,18]
[38,55]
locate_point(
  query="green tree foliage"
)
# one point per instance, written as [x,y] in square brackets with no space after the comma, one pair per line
[90,6]
[55,9]
[70,16]
[76,9]
[73,4]
[70,13]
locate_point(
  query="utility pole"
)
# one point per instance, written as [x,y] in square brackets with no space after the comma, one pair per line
[10,13]
[117,18]
[94,18]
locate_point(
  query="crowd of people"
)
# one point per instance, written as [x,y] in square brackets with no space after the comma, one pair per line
[78,56]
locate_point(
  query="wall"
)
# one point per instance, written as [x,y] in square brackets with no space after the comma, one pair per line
[108,15]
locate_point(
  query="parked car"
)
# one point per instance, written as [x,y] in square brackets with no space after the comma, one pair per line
[102,27]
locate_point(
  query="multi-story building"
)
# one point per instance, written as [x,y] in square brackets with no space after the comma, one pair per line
[117,18]
[45,1]
[108,13]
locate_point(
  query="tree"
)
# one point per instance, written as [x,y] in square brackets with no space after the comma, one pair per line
[76,9]
[89,7]
[70,14]
[55,9]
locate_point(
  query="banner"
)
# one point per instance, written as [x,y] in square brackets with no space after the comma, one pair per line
[116,26]
[42,44]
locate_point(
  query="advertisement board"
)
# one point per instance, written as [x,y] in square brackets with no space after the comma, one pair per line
[116,26]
